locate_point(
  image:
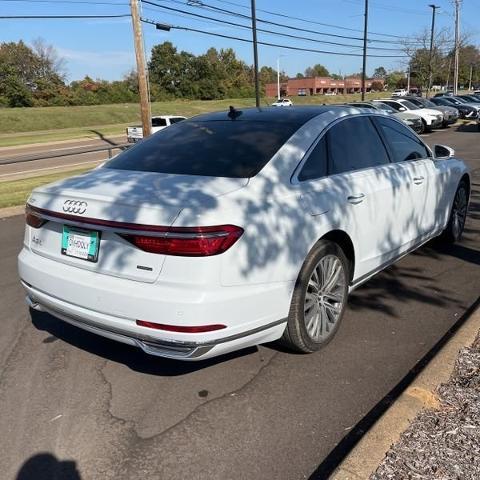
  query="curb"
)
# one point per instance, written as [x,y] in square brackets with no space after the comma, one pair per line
[369,452]
[12,211]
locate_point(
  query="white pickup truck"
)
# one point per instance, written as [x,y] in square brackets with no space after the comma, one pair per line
[135,132]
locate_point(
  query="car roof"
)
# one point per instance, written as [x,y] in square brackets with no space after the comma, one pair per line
[296,114]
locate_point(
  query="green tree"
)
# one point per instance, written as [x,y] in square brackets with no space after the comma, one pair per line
[316,71]
[380,72]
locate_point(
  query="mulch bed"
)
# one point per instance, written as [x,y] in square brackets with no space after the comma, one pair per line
[444,443]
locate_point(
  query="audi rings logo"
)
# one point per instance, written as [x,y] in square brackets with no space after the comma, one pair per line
[75,206]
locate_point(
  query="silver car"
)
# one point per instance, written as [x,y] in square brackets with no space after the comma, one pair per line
[450,114]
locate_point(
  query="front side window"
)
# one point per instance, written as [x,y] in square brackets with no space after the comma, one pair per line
[403,143]
[159,122]
[316,164]
[176,120]
[396,106]
[354,144]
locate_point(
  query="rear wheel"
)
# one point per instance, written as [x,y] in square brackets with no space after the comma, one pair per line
[319,299]
[458,215]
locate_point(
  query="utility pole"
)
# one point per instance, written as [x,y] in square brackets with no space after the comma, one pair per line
[471,75]
[408,78]
[365,35]
[141,70]
[430,67]
[255,52]
[457,46]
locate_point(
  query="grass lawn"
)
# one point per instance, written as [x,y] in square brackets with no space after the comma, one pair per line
[16,192]
[22,126]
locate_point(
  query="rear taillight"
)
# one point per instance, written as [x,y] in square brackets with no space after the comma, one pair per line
[181,328]
[33,219]
[189,241]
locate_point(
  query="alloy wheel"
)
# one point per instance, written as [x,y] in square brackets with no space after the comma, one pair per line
[324,298]
[459,212]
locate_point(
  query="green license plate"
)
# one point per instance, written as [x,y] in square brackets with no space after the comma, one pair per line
[80,243]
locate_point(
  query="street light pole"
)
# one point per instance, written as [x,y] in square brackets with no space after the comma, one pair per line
[278,78]
[255,53]
[430,68]
[365,36]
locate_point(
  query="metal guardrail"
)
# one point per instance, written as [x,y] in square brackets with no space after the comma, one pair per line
[79,151]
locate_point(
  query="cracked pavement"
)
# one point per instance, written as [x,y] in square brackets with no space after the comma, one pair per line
[76,406]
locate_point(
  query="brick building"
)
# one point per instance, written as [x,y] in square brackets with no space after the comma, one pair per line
[318,86]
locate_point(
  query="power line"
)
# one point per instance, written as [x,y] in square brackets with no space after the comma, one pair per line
[199,3]
[270,32]
[312,22]
[55,17]
[389,8]
[268,44]
[65,2]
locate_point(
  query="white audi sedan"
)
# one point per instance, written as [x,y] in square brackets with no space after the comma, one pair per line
[237,228]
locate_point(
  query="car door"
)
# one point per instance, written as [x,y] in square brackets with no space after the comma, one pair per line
[420,182]
[357,192]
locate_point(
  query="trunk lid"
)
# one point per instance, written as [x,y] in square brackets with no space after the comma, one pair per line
[140,198]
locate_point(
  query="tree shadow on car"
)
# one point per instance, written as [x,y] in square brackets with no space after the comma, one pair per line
[132,357]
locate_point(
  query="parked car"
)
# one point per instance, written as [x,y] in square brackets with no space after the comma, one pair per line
[415,92]
[430,118]
[282,102]
[400,92]
[469,98]
[447,93]
[465,111]
[411,119]
[135,133]
[462,101]
[225,231]
[450,114]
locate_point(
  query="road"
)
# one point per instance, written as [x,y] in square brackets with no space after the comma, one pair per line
[53,165]
[87,408]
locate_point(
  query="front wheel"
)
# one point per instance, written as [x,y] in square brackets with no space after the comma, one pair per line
[458,215]
[319,299]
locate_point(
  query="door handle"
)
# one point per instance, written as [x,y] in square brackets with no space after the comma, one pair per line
[355,199]
[418,180]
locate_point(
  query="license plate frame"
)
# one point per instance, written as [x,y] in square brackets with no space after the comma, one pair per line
[88,251]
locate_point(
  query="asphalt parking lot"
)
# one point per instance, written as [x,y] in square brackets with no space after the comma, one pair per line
[88,408]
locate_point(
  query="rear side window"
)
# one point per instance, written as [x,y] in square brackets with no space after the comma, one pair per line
[230,148]
[316,164]
[403,143]
[159,122]
[354,144]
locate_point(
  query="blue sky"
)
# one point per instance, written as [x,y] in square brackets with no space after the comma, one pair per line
[104,48]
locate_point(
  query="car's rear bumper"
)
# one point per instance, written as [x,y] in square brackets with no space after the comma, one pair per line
[110,306]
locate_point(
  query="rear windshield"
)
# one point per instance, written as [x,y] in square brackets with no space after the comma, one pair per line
[231,148]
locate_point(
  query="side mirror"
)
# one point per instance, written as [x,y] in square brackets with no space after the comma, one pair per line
[402,109]
[442,151]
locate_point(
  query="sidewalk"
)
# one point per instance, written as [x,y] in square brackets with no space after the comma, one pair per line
[434,426]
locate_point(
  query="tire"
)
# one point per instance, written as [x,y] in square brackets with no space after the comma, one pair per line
[311,328]
[456,222]
[423,128]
